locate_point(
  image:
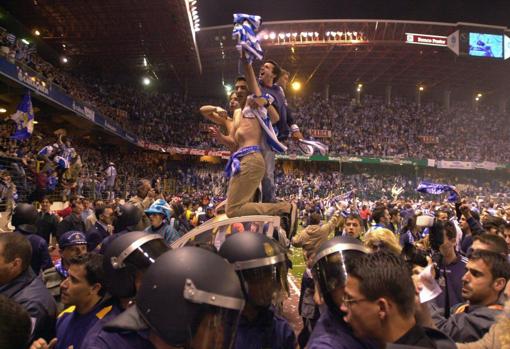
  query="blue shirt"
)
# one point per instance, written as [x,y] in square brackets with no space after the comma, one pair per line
[267,330]
[282,127]
[332,332]
[98,338]
[166,231]
[72,327]
[454,273]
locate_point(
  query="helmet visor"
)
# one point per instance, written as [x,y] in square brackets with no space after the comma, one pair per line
[262,285]
[330,272]
[146,254]
[216,328]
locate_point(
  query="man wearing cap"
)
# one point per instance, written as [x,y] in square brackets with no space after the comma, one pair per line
[72,244]
[159,214]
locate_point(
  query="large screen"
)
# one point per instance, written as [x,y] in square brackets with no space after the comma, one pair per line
[486,45]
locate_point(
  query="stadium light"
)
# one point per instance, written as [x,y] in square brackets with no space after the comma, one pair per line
[421,88]
[25,41]
[360,86]
[37,32]
[296,86]
[281,36]
[272,35]
[479,95]
[228,88]
[3,110]
[64,59]
[63,45]
[146,81]
[358,89]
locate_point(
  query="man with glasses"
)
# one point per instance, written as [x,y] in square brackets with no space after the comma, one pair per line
[379,300]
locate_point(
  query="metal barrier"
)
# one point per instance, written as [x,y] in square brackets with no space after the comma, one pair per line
[14,185]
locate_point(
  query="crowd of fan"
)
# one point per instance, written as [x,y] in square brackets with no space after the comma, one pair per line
[371,129]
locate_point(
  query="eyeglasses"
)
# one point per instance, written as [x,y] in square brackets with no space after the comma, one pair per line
[350,301]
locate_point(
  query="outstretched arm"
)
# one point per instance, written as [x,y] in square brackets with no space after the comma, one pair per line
[215,114]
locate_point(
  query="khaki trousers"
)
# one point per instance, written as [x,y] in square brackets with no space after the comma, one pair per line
[242,188]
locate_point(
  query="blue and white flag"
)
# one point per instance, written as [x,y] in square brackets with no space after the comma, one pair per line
[24,119]
[308,147]
[436,188]
[342,197]
[245,29]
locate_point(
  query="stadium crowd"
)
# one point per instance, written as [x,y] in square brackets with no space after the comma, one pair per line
[385,266]
[158,117]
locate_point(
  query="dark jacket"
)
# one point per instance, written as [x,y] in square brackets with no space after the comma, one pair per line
[95,235]
[422,337]
[331,332]
[29,291]
[467,323]
[71,222]
[46,225]
[40,256]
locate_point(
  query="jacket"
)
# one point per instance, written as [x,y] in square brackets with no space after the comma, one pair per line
[29,291]
[467,323]
[71,222]
[311,237]
[40,256]
[95,236]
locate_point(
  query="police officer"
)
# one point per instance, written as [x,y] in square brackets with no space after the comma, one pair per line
[189,298]
[261,265]
[23,219]
[125,261]
[127,218]
[71,244]
[330,267]
[83,294]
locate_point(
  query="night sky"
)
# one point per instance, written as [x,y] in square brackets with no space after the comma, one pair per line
[492,12]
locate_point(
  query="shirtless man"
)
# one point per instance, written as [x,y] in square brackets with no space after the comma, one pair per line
[246,166]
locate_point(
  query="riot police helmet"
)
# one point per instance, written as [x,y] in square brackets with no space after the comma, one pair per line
[189,298]
[261,264]
[127,257]
[24,217]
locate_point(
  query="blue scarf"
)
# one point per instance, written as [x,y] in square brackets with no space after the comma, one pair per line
[60,269]
[245,27]
[436,188]
[234,163]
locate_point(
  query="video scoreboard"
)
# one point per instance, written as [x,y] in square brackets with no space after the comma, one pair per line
[477,42]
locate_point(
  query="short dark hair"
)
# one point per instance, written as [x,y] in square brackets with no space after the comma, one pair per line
[46,198]
[384,274]
[99,210]
[394,212]
[284,72]
[15,325]
[277,70]
[93,264]
[356,217]
[315,218]
[378,213]
[496,243]
[240,78]
[450,230]
[498,264]
[443,211]
[16,246]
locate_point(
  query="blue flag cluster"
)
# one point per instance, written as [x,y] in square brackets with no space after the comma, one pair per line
[245,29]
[436,188]
[24,119]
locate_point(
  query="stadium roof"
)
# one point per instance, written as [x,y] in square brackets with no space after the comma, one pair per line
[116,35]
[374,54]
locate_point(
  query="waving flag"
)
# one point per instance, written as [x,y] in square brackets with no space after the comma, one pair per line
[24,118]
[436,188]
[245,28]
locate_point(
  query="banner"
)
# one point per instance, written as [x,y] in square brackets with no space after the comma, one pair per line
[486,165]
[459,165]
[429,139]
[320,133]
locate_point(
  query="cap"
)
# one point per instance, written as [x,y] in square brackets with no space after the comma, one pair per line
[72,238]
